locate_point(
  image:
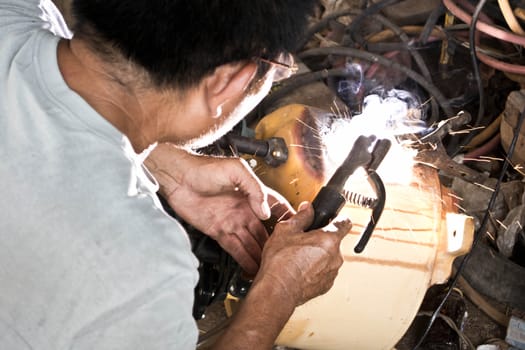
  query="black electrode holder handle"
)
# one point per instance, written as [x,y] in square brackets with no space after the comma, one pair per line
[327,205]
[330,200]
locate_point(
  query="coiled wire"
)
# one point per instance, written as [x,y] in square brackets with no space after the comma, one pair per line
[359,199]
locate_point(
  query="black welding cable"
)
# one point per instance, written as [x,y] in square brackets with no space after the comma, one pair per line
[475,64]
[423,68]
[431,23]
[481,231]
[299,80]
[323,23]
[371,57]
[475,68]
[352,30]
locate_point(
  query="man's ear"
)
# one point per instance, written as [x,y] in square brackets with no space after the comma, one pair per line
[228,83]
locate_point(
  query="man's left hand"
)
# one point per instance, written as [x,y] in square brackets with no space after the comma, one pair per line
[220,197]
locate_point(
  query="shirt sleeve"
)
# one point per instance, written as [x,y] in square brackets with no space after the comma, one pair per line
[25,15]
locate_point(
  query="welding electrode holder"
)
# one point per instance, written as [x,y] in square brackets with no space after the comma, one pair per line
[327,204]
[330,198]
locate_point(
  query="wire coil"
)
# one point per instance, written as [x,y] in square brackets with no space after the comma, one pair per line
[359,199]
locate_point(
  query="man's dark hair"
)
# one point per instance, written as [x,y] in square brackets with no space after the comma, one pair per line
[178,42]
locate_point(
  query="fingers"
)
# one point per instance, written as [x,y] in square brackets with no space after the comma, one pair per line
[280,207]
[343,227]
[244,180]
[258,232]
[242,249]
[330,240]
[244,243]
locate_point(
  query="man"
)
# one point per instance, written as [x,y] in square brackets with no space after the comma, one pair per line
[88,259]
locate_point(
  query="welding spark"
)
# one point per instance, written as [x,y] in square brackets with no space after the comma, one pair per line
[385,115]
[459,132]
[518,167]
[484,187]
[465,131]
[492,158]
[306,147]
[307,125]
[338,111]
[455,196]
[426,102]
[428,164]
[476,160]
[491,236]
[280,218]
[501,224]
[463,210]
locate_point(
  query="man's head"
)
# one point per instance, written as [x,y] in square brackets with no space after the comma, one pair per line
[179,42]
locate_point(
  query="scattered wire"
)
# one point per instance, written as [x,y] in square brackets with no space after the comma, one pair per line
[452,325]
[483,150]
[475,65]
[297,81]
[430,23]
[483,26]
[352,29]
[475,68]
[417,58]
[387,34]
[486,134]
[510,18]
[496,32]
[323,23]
[371,57]
[480,233]
[500,65]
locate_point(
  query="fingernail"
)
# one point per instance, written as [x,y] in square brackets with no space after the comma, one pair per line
[303,206]
[265,210]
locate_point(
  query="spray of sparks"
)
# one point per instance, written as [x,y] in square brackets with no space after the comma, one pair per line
[385,115]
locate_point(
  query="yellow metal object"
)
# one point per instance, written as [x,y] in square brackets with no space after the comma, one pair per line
[304,170]
[376,294]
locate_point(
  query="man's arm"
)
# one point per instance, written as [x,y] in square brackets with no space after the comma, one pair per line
[296,266]
[259,320]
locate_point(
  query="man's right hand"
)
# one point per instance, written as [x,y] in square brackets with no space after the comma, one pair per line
[304,264]
[296,267]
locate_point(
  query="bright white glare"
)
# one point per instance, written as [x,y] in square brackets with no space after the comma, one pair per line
[386,116]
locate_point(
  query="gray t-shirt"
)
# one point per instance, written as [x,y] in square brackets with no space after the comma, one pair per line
[88,259]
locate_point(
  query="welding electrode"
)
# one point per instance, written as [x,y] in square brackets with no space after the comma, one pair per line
[330,199]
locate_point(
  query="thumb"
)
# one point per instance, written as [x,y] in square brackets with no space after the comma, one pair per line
[304,217]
